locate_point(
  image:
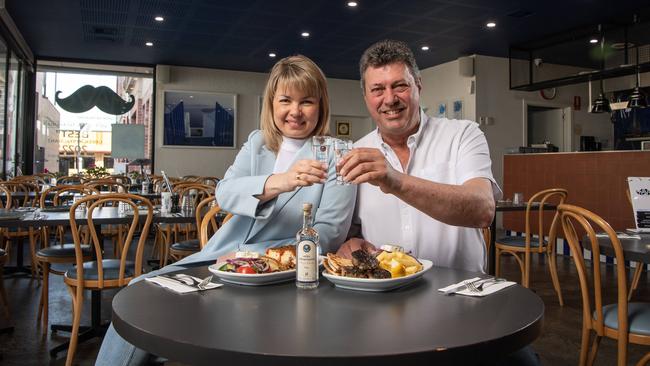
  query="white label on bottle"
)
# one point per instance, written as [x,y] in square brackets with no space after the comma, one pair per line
[307,269]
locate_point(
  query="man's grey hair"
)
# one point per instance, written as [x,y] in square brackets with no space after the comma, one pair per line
[387,52]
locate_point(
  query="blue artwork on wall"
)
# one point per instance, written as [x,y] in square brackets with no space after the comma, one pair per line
[199,119]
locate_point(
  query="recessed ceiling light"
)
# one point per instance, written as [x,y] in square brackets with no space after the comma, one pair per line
[191,96]
[424,48]
[272,54]
[491,24]
[593,40]
[352,4]
[149,44]
[159,18]
[305,34]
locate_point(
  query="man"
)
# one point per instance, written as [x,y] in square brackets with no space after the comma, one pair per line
[424,183]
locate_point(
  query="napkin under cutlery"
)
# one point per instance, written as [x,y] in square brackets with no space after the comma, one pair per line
[488,288]
[179,286]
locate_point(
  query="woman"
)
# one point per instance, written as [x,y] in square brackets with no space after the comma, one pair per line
[272,176]
[275,172]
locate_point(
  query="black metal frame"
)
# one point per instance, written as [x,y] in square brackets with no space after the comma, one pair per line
[581,33]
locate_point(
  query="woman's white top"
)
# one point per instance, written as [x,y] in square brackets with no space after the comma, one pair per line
[287,154]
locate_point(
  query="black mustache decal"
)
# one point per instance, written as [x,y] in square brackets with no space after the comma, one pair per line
[88,96]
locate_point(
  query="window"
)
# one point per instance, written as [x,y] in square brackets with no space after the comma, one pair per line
[76,113]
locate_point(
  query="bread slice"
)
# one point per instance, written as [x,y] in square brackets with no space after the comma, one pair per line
[285,255]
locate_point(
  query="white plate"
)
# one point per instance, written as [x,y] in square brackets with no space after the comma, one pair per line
[259,279]
[375,285]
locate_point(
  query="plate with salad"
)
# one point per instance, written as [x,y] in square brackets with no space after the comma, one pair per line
[252,271]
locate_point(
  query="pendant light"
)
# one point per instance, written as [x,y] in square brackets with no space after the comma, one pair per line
[601,104]
[637,98]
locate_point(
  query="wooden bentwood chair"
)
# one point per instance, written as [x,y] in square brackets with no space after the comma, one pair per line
[61,253]
[625,322]
[210,225]
[207,212]
[526,245]
[104,273]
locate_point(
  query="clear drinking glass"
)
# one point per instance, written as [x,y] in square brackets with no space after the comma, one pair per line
[341,147]
[321,148]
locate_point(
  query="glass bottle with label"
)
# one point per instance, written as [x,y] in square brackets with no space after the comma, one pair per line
[307,251]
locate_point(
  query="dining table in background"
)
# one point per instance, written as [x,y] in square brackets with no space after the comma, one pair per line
[36,195]
[101,216]
[635,249]
[280,324]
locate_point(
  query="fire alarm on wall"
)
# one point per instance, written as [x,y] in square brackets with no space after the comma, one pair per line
[576,102]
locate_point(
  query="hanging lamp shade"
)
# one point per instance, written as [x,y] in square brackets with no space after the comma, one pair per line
[601,105]
[637,99]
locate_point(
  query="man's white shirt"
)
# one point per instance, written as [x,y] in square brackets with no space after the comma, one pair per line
[442,151]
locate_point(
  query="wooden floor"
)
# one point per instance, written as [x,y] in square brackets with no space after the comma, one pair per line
[558,345]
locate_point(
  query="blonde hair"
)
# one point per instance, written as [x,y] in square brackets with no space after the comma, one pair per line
[303,74]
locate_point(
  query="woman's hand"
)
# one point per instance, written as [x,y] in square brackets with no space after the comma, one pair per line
[303,173]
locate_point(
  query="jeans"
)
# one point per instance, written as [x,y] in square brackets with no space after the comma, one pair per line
[115,350]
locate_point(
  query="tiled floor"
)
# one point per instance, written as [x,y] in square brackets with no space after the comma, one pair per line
[558,345]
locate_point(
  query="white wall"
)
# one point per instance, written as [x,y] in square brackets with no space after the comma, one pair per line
[495,99]
[443,84]
[345,98]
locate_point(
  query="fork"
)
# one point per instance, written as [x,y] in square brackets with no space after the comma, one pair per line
[190,281]
[478,285]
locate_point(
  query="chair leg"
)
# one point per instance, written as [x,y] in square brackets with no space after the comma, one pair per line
[593,350]
[497,262]
[584,346]
[635,279]
[3,293]
[552,267]
[643,361]
[166,243]
[525,281]
[77,306]
[45,296]
[32,250]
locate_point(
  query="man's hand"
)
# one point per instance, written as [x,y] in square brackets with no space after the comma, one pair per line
[363,165]
[354,244]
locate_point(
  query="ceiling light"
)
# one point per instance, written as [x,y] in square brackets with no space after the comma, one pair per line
[352,4]
[424,48]
[191,96]
[637,98]
[305,34]
[149,44]
[159,18]
[601,104]
[593,40]
[491,24]
[272,54]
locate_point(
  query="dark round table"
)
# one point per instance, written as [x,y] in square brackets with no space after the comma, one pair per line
[279,324]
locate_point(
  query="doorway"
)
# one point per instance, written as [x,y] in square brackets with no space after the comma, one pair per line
[547,123]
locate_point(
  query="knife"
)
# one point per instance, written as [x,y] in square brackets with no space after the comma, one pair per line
[178,280]
[460,287]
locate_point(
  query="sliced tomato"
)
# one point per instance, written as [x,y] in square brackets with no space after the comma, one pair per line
[246,270]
